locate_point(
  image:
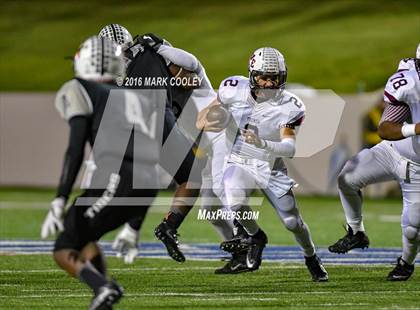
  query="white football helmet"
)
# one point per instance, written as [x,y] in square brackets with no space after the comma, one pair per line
[268,61]
[99,59]
[116,33]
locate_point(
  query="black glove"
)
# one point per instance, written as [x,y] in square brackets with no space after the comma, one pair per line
[149,39]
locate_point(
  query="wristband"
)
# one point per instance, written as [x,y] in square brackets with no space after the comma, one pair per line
[408,130]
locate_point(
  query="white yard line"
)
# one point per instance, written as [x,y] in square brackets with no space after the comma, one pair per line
[265,266]
[390,218]
[207,296]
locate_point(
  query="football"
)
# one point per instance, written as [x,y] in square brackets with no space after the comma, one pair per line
[219,113]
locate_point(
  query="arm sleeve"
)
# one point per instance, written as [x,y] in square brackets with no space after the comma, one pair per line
[74,155]
[284,148]
[396,113]
[180,58]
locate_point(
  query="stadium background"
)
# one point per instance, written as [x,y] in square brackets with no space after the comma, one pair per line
[350,47]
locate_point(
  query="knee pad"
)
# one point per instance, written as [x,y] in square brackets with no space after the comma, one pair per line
[352,175]
[292,223]
[411,233]
[344,181]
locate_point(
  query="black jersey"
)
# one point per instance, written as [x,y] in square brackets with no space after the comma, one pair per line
[147,69]
[112,120]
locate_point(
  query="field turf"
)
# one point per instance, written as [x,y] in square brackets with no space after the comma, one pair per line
[34,282]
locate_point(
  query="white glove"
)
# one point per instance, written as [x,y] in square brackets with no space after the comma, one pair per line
[53,222]
[125,244]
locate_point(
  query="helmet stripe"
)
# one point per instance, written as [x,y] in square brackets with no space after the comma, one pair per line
[114,33]
[102,56]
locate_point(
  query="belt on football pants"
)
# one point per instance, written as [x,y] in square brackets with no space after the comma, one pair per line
[247,161]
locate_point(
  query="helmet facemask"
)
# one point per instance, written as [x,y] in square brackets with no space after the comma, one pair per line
[267,73]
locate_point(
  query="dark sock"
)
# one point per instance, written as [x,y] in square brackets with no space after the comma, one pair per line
[136,223]
[89,275]
[99,264]
[174,220]
[259,234]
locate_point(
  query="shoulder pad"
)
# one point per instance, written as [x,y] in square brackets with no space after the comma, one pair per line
[232,89]
[398,87]
[292,106]
[72,100]
[406,64]
[289,101]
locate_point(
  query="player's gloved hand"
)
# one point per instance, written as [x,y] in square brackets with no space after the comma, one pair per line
[53,222]
[125,244]
[251,137]
[152,40]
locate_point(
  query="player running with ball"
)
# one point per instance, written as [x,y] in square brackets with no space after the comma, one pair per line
[263,131]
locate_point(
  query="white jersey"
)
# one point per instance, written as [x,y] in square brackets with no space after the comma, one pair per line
[264,118]
[404,88]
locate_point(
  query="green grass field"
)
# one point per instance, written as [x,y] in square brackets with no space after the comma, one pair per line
[340,45]
[163,284]
[22,212]
[34,282]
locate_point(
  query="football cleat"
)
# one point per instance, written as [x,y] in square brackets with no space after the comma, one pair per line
[236,264]
[108,295]
[169,237]
[252,246]
[256,247]
[317,270]
[237,244]
[350,241]
[401,272]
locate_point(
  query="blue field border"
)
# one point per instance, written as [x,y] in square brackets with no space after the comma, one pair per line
[204,251]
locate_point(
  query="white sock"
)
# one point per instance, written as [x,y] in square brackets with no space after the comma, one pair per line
[410,250]
[303,237]
[352,205]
